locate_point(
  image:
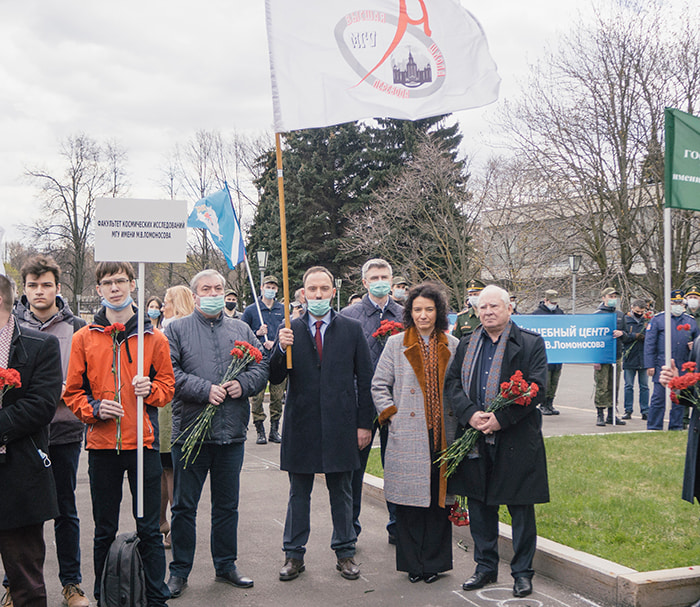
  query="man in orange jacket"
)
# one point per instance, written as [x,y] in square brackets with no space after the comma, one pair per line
[102,389]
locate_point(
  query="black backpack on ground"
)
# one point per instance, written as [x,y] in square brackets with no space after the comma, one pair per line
[123,582]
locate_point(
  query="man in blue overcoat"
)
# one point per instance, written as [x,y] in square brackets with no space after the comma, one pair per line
[327,421]
[684,330]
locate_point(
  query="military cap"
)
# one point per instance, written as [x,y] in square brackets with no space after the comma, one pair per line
[551,295]
[607,291]
[272,279]
[475,285]
[399,280]
[677,295]
[693,290]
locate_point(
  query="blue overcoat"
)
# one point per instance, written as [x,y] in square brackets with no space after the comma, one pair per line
[323,409]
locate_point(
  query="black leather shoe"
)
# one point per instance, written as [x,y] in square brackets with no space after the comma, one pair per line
[522,586]
[429,578]
[176,585]
[291,569]
[392,539]
[348,568]
[415,577]
[627,415]
[235,579]
[479,580]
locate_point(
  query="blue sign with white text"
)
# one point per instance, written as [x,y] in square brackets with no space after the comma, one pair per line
[574,338]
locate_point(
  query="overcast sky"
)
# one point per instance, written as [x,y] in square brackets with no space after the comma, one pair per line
[150,73]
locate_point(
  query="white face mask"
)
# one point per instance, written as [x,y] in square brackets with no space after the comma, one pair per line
[693,303]
[473,300]
[551,306]
[677,309]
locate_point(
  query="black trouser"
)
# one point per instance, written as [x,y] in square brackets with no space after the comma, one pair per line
[424,535]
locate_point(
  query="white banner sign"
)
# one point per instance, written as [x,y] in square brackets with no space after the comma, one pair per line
[140,230]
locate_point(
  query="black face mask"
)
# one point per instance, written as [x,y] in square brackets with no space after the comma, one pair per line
[231,305]
[637,315]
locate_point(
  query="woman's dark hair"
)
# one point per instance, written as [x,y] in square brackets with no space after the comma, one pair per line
[156,299]
[434,292]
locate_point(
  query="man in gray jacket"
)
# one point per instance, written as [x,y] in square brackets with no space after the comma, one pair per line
[42,308]
[200,348]
[375,307]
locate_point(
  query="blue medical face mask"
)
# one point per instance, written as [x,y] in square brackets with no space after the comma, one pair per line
[153,313]
[380,288]
[127,302]
[269,293]
[612,303]
[319,307]
[211,305]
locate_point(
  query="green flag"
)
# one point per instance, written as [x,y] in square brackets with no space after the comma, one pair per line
[682,160]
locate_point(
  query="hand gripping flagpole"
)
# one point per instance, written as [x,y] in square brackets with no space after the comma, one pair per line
[283,239]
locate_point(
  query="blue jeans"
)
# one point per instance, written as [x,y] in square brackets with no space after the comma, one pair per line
[643,381]
[223,463]
[106,469]
[297,525]
[64,463]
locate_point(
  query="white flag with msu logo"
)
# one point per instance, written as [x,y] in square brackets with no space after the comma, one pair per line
[335,61]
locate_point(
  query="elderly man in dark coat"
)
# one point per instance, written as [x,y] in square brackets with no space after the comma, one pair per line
[326,420]
[508,465]
[28,489]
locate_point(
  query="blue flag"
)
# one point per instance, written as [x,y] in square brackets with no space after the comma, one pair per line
[215,213]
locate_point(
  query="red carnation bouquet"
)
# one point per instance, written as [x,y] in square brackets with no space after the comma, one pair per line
[514,392]
[114,330]
[9,378]
[243,354]
[683,390]
[459,515]
[386,329]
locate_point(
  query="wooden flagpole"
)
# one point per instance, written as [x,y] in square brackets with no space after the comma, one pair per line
[283,243]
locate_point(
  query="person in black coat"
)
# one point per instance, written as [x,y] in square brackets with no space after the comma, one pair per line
[29,492]
[509,465]
[635,324]
[328,418]
[550,305]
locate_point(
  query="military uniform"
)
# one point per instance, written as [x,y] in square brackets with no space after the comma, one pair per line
[466,323]
[468,320]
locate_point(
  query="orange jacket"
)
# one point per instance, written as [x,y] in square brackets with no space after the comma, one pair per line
[90,379]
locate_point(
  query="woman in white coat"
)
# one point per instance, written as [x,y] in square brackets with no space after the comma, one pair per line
[407,389]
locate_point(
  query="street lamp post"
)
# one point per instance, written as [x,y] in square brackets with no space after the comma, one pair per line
[338,284]
[262,265]
[575,265]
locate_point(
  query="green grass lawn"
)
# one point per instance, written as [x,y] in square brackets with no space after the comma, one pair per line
[617,496]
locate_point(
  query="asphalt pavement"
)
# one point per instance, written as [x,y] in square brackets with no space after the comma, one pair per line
[262,510]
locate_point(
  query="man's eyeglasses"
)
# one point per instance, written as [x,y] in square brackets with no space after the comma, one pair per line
[120,282]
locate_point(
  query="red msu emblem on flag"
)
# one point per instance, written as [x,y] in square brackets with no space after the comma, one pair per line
[394,54]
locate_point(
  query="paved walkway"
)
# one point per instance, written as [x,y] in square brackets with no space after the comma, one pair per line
[262,510]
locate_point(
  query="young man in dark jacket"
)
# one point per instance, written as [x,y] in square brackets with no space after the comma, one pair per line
[42,308]
[550,305]
[633,358]
[29,491]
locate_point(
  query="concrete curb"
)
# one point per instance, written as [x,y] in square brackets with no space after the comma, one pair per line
[590,575]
